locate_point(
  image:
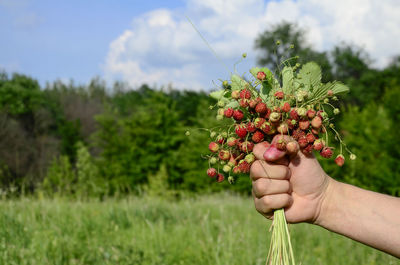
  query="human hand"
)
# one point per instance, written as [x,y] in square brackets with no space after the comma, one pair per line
[295,182]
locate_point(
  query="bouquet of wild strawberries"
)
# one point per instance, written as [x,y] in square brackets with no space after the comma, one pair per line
[296,104]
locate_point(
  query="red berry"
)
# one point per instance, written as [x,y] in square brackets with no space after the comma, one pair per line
[253,103]
[220,139]
[214,147]
[251,127]
[267,114]
[212,172]
[304,124]
[261,108]
[235,94]
[228,112]
[238,115]
[258,122]
[298,133]
[236,170]
[240,130]
[293,114]
[286,107]
[232,141]
[279,95]
[258,137]
[316,122]
[224,155]
[318,144]
[244,166]
[246,146]
[308,149]
[310,137]
[244,103]
[261,75]
[245,94]
[266,127]
[330,93]
[311,113]
[292,147]
[302,141]
[220,177]
[339,160]
[283,128]
[326,152]
[315,131]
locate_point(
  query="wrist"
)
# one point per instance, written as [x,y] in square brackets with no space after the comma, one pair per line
[327,202]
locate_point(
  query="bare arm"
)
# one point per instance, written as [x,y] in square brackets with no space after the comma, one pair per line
[309,195]
[368,217]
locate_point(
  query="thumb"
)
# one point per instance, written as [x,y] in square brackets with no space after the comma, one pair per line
[274,152]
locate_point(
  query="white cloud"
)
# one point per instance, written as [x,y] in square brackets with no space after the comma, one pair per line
[162,47]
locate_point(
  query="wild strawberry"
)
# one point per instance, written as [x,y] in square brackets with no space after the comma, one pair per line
[244,103]
[258,122]
[297,134]
[224,155]
[245,94]
[238,115]
[281,144]
[244,166]
[291,123]
[261,76]
[211,172]
[330,93]
[310,137]
[326,152]
[240,130]
[293,115]
[308,149]
[274,117]
[232,141]
[302,112]
[236,170]
[292,147]
[252,103]
[286,107]
[235,94]
[226,168]
[261,108]
[251,127]
[213,146]
[339,160]
[228,112]
[232,161]
[283,128]
[302,141]
[318,144]
[220,139]
[249,158]
[279,95]
[220,177]
[315,131]
[267,114]
[311,113]
[266,127]
[246,146]
[276,109]
[257,137]
[316,122]
[304,124]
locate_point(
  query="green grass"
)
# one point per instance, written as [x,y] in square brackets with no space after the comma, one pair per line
[218,229]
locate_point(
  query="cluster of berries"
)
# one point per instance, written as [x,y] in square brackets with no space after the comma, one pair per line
[302,128]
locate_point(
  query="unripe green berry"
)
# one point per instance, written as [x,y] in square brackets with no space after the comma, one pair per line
[225,84]
[244,55]
[278,42]
[326,100]
[332,125]
[302,112]
[187,133]
[336,111]
[335,98]
[231,180]
[221,103]
[249,158]
[291,46]
[224,134]
[353,157]
[221,111]
[213,134]
[219,117]
[213,160]
[222,162]
[226,168]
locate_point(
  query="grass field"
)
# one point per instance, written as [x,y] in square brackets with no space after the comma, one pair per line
[218,229]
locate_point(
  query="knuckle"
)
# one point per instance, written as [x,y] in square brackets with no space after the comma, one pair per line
[259,188]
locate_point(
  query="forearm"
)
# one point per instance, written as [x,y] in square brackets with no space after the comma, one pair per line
[368,217]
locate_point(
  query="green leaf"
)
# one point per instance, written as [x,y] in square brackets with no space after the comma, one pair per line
[310,75]
[287,80]
[217,94]
[237,82]
[233,104]
[339,88]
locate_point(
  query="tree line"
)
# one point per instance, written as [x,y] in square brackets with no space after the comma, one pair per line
[94,141]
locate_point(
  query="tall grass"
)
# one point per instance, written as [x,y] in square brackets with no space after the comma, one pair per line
[218,229]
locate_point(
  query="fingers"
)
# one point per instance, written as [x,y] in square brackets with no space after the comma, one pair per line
[263,187]
[273,153]
[263,169]
[259,150]
[266,204]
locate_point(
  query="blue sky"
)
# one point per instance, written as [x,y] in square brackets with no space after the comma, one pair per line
[152,41]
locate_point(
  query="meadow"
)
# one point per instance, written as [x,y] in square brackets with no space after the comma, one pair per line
[209,229]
